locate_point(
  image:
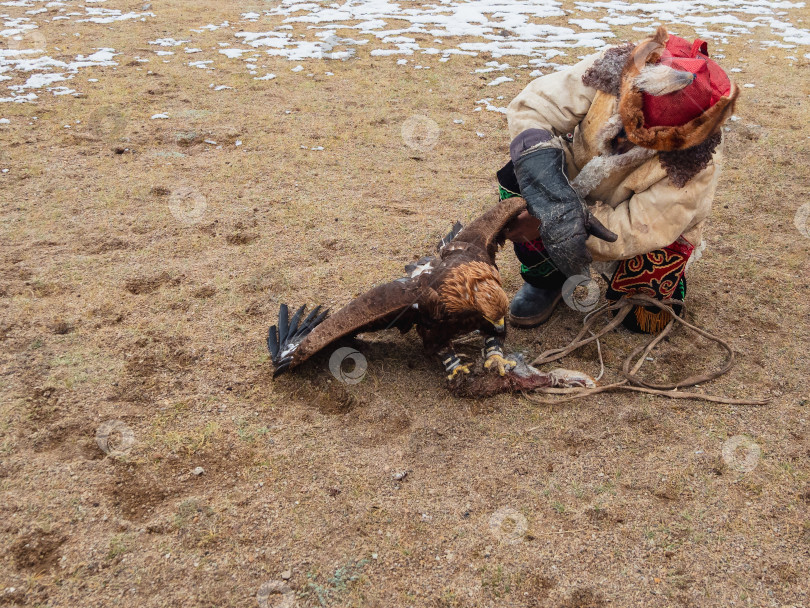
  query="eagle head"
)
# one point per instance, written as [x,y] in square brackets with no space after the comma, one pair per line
[476,286]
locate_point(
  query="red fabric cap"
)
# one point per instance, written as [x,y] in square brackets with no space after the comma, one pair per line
[678,108]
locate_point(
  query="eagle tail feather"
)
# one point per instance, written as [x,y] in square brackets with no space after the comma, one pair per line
[283,323]
[272,342]
[294,323]
[314,318]
[284,338]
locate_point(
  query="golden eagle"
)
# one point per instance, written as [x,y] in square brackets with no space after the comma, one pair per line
[445,296]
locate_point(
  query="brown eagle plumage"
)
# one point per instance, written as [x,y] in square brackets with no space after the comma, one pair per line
[445,296]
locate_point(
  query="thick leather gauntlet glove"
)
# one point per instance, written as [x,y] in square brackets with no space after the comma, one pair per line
[565,220]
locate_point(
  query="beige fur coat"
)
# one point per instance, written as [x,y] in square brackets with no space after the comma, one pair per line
[638,194]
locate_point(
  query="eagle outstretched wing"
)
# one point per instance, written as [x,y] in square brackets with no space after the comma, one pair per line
[399,303]
[427,264]
[486,231]
[457,227]
[292,341]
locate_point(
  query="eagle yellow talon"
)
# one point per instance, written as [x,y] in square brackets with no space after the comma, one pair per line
[504,365]
[461,368]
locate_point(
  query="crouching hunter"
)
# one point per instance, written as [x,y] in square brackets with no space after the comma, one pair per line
[618,159]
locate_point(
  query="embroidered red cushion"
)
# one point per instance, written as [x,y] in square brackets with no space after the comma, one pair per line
[678,108]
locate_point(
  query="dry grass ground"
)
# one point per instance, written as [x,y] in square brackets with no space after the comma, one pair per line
[111,308]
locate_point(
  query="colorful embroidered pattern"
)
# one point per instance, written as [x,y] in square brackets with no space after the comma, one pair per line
[655,274]
[658,274]
[504,194]
[534,261]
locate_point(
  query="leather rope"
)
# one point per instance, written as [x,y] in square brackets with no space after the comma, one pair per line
[630,370]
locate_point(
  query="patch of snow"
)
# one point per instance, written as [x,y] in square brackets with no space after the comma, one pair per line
[20,98]
[232,53]
[388,52]
[538,30]
[37,81]
[61,91]
[488,106]
[106,15]
[500,80]
[589,24]
[168,42]
[211,27]
[491,67]
[159,116]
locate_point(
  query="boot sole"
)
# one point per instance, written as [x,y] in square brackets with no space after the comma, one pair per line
[529,322]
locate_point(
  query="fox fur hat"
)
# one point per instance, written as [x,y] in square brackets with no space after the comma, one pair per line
[672,96]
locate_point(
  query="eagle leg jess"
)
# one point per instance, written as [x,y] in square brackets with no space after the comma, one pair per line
[452,364]
[493,355]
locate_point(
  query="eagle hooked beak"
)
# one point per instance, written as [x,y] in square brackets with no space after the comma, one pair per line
[499,325]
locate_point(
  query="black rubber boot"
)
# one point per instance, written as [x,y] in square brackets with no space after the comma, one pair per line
[533,306]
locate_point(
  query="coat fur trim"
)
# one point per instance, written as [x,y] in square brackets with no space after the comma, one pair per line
[600,167]
[682,165]
[681,137]
[606,72]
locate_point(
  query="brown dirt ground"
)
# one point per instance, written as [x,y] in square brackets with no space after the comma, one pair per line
[112,309]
